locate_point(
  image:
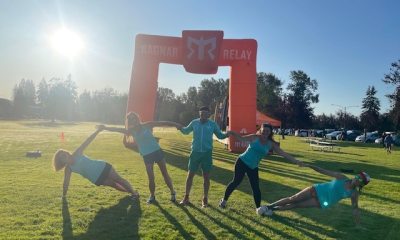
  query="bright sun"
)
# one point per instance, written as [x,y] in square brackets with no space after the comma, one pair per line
[67,43]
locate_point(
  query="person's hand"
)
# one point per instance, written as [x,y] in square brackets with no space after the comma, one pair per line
[100,127]
[179,126]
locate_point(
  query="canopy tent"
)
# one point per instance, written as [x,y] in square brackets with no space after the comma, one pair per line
[262,118]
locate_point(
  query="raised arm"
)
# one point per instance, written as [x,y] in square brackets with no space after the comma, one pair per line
[336,175]
[67,178]
[286,155]
[80,149]
[162,124]
[354,204]
[249,137]
[114,129]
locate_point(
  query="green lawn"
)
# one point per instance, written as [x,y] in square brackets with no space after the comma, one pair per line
[31,207]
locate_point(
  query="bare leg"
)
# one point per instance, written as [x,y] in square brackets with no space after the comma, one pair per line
[312,202]
[189,182]
[167,178]
[117,182]
[206,184]
[150,175]
[303,195]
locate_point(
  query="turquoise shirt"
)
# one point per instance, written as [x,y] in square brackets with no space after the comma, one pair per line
[88,168]
[254,153]
[203,134]
[146,141]
[332,192]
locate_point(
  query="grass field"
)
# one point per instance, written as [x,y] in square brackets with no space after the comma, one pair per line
[31,207]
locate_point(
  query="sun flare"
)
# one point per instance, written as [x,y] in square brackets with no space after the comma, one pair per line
[67,43]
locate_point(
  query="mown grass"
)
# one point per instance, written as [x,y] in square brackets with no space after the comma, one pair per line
[31,207]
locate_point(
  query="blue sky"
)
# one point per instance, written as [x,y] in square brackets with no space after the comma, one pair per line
[345,45]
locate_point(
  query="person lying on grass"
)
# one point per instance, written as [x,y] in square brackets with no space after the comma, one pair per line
[97,171]
[324,195]
[247,163]
[148,147]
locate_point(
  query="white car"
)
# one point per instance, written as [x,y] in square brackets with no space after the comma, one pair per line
[371,137]
[332,135]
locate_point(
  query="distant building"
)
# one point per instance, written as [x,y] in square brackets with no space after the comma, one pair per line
[6,109]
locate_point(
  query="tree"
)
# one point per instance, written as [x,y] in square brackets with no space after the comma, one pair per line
[212,92]
[393,78]
[42,94]
[24,97]
[371,106]
[269,94]
[300,97]
[62,98]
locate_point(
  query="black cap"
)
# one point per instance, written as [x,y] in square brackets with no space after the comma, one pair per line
[204,108]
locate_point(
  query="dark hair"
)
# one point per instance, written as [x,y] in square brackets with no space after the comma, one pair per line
[271,135]
[204,108]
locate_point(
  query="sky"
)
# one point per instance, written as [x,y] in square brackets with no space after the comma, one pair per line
[345,45]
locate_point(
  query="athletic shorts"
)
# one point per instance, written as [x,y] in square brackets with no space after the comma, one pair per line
[154,157]
[200,159]
[104,174]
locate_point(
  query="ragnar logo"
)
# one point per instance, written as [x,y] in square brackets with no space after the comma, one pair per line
[201,44]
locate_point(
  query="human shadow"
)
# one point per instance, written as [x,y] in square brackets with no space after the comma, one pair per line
[177,156]
[174,222]
[207,234]
[120,221]
[67,225]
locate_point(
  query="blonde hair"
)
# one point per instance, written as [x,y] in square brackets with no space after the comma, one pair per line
[129,117]
[58,164]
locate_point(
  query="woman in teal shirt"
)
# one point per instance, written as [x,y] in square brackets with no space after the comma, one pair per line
[96,171]
[148,147]
[247,163]
[324,195]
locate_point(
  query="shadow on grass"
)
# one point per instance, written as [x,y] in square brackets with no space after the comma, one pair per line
[174,222]
[340,226]
[120,221]
[67,226]
[207,234]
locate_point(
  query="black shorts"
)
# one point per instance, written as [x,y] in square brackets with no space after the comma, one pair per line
[104,174]
[154,157]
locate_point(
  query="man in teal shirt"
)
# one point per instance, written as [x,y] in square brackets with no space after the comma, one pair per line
[201,155]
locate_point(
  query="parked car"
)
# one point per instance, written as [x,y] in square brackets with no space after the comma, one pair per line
[332,135]
[396,138]
[371,137]
[301,133]
[351,135]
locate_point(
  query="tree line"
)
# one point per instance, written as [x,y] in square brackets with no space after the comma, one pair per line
[58,98]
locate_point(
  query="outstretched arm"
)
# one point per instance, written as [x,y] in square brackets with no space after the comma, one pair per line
[249,137]
[162,124]
[80,149]
[67,178]
[286,155]
[354,204]
[336,175]
[113,129]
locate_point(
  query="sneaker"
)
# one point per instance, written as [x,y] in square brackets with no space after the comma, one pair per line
[151,200]
[185,201]
[222,203]
[204,202]
[173,197]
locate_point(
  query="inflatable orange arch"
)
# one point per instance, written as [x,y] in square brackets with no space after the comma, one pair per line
[200,52]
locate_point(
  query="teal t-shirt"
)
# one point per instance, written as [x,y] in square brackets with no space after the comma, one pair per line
[254,153]
[203,134]
[332,192]
[145,140]
[88,168]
